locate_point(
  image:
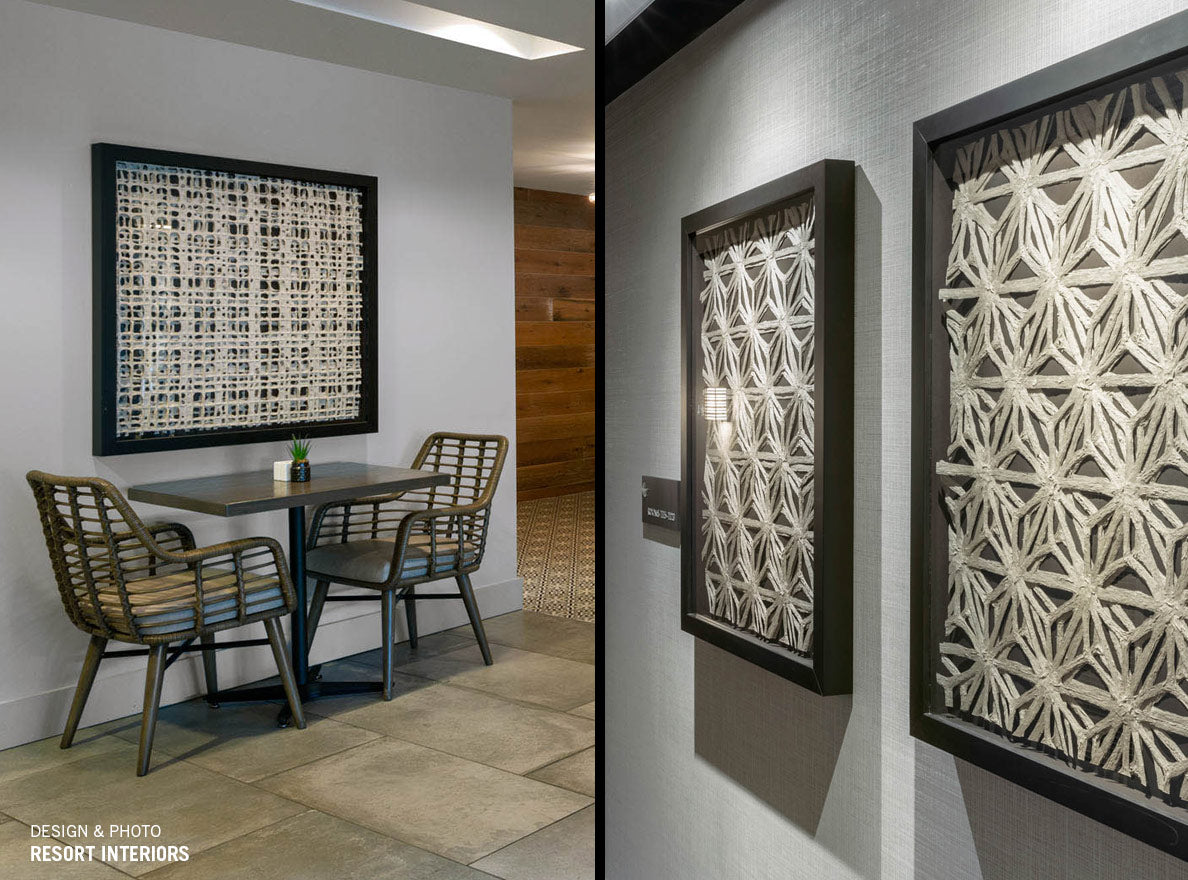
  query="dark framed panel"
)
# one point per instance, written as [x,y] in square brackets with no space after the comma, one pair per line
[234,301]
[1050,478]
[767,528]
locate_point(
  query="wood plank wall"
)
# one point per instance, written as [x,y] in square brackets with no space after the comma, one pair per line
[554,343]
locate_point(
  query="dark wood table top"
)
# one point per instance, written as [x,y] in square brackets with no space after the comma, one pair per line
[256,491]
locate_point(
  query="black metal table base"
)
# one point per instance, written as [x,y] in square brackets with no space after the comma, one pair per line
[308,678]
[310,691]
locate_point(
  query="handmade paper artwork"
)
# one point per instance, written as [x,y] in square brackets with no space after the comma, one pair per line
[768,351]
[757,496]
[239,303]
[1066,476]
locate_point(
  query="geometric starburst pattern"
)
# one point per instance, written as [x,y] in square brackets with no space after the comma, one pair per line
[757,342]
[1066,475]
[239,301]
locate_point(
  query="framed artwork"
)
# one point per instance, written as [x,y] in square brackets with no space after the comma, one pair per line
[235,301]
[767,453]
[1050,422]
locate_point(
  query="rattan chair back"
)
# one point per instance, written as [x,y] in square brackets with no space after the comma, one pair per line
[393,543]
[474,462]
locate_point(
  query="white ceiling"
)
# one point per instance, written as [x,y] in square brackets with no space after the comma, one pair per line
[553,97]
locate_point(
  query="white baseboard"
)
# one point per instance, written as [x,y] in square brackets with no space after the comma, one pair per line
[347,628]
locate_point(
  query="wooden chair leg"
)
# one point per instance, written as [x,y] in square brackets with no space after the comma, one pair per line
[211,669]
[476,621]
[153,679]
[387,636]
[316,604]
[86,678]
[280,653]
[410,614]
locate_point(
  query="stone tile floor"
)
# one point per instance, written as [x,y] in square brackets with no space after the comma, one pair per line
[469,772]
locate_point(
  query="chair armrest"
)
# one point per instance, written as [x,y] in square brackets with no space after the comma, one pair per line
[438,513]
[361,518]
[184,537]
[422,520]
[227,548]
[139,552]
[239,555]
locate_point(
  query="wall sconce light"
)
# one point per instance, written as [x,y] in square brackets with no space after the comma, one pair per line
[717,405]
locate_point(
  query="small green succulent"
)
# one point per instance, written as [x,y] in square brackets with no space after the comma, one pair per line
[299,448]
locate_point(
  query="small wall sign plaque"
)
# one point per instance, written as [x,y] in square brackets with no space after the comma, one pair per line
[661,505]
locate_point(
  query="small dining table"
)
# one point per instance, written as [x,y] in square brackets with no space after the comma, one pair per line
[257,492]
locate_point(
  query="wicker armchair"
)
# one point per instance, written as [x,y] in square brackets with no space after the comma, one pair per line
[123,581]
[392,543]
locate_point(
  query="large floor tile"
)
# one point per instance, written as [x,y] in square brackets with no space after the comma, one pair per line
[541,633]
[16,862]
[45,753]
[456,808]
[477,726]
[193,806]
[365,666]
[348,670]
[563,851]
[575,773]
[585,711]
[316,846]
[427,646]
[518,675]
[242,740]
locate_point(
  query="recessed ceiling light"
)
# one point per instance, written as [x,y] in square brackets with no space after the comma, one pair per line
[447,26]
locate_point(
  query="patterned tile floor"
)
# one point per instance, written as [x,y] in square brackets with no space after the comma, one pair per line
[555,550]
[470,772]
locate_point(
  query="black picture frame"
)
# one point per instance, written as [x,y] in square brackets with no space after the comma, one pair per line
[829,669]
[1149,51]
[105,440]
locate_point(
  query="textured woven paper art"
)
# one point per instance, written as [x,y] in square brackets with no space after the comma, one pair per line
[239,301]
[756,338]
[1066,475]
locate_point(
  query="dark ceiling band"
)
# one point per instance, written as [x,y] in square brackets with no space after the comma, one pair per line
[655,35]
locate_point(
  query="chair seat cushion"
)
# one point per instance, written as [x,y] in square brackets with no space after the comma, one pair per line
[166,603]
[371,561]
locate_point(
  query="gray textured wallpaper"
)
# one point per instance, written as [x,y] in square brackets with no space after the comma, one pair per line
[715,768]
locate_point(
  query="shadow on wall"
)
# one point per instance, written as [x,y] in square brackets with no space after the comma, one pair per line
[816,760]
[776,739]
[1016,834]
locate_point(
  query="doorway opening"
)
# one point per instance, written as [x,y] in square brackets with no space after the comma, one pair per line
[555,311]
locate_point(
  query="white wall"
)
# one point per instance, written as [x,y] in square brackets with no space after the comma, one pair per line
[716,768]
[443,159]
